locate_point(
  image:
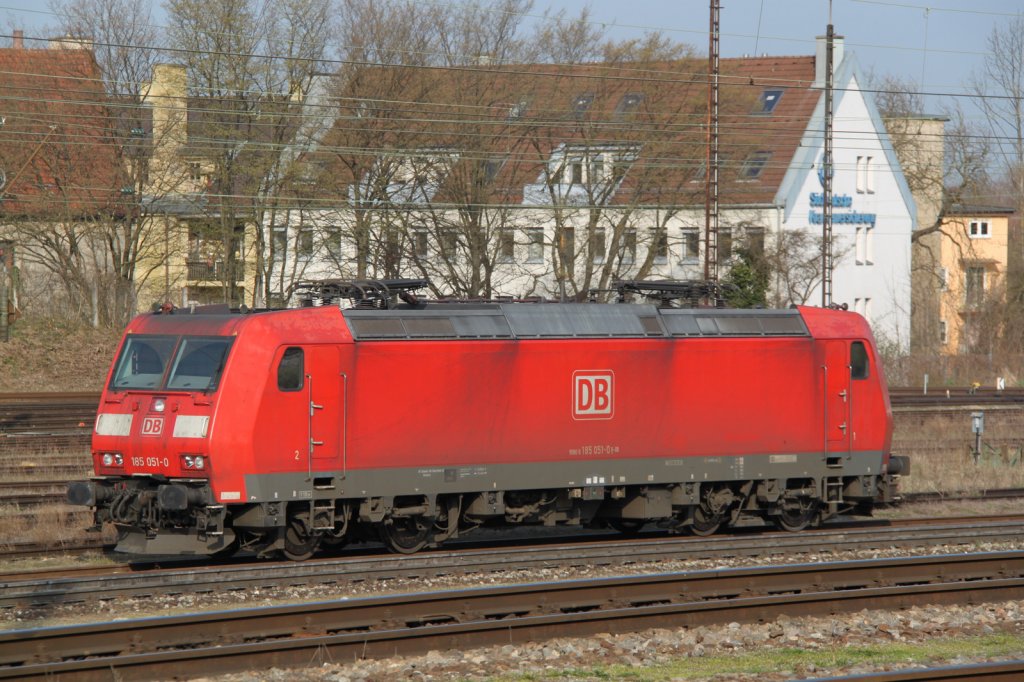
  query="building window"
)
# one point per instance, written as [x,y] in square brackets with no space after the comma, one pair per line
[629,103]
[943,279]
[629,247]
[858,246]
[582,103]
[195,171]
[420,244]
[724,245]
[755,241]
[974,286]
[576,171]
[332,242]
[516,111]
[567,250]
[491,169]
[865,175]
[449,241]
[753,165]
[506,246]
[691,245]
[304,244]
[596,170]
[943,332]
[869,246]
[659,245]
[769,100]
[279,238]
[535,245]
[979,229]
[599,246]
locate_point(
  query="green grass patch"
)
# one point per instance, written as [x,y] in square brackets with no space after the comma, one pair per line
[797,661]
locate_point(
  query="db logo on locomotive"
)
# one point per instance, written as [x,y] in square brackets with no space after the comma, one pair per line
[593,394]
[152,426]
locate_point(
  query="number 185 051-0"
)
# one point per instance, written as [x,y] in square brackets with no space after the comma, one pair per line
[150,461]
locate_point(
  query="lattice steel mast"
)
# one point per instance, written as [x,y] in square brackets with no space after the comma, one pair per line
[826,213]
[711,159]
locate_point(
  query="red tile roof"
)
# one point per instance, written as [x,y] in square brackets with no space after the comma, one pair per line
[57,144]
[479,111]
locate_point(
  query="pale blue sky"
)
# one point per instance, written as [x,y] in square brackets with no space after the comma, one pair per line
[937,43]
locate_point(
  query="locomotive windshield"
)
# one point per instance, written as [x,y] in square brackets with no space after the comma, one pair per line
[189,363]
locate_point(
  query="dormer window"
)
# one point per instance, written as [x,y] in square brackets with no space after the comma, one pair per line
[629,103]
[753,165]
[582,103]
[768,100]
[517,110]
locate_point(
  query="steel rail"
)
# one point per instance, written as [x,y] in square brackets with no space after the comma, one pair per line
[32,590]
[296,635]
[993,670]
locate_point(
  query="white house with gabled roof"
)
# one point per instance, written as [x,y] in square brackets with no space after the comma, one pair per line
[575,182]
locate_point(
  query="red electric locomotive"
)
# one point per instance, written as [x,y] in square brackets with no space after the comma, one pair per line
[281,431]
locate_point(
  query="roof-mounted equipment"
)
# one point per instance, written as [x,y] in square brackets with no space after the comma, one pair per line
[365,293]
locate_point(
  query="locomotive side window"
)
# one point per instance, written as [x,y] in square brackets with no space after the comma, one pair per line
[290,370]
[199,363]
[143,361]
[859,366]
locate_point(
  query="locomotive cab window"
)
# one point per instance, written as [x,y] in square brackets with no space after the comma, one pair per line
[290,370]
[143,361]
[199,363]
[859,366]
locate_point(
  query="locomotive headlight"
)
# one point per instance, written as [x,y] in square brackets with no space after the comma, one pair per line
[193,462]
[108,459]
[118,459]
[159,404]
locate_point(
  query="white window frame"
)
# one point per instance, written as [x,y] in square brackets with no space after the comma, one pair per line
[684,256]
[979,229]
[662,236]
[534,245]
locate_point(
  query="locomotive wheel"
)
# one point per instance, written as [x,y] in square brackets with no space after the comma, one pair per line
[299,543]
[704,523]
[797,519]
[406,535]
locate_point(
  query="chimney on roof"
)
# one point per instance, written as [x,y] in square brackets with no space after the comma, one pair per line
[819,58]
[19,39]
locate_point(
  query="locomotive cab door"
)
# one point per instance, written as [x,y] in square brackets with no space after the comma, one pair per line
[325,407]
[838,402]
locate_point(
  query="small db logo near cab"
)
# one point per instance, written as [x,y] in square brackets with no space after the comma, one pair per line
[152,426]
[593,394]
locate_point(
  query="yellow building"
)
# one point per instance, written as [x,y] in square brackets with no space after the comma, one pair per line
[195,252]
[972,257]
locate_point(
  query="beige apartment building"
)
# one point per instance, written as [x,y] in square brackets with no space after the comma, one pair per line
[972,258]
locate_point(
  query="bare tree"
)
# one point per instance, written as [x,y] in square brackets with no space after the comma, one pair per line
[252,68]
[999,91]
[127,45]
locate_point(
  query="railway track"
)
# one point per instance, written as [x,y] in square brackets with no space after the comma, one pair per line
[89,585]
[347,629]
